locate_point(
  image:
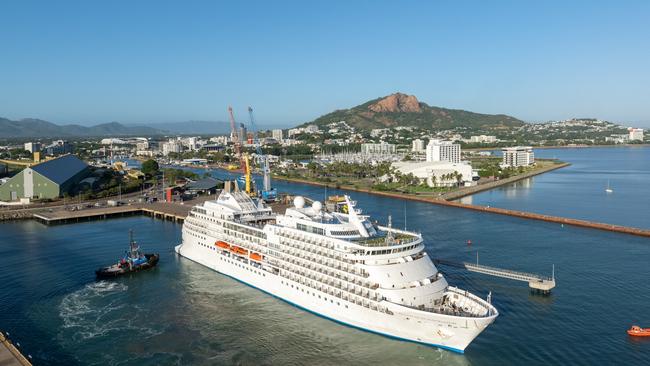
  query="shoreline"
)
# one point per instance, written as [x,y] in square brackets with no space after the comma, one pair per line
[494,210]
[449,196]
[561,147]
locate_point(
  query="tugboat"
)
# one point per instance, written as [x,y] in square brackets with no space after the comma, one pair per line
[134,260]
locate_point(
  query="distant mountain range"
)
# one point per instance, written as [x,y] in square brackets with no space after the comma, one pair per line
[191,127]
[405,110]
[29,127]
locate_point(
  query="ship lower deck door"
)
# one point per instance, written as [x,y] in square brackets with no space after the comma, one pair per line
[14,196]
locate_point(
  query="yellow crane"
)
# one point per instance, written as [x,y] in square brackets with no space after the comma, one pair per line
[247,175]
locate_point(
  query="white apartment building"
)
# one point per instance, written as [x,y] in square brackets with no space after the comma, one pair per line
[222,140]
[443,151]
[33,146]
[142,146]
[418,146]
[483,139]
[277,134]
[636,134]
[381,148]
[171,146]
[518,156]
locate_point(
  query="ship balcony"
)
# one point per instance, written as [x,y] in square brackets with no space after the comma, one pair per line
[361,289]
[347,275]
[355,295]
[335,263]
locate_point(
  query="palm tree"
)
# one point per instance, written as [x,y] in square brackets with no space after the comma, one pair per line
[459,178]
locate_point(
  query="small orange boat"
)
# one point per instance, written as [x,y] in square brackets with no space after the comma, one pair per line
[239,250]
[256,257]
[222,244]
[638,331]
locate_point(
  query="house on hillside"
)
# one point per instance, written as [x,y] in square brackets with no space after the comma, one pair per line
[49,179]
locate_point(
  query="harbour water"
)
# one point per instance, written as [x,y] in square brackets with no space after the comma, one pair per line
[578,191]
[183,313]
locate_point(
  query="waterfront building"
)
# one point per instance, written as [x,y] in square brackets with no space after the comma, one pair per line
[381,148]
[636,134]
[49,179]
[340,265]
[618,139]
[208,185]
[277,134]
[438,173]
[417,146]
[33,147]
[517,156]
[443,151]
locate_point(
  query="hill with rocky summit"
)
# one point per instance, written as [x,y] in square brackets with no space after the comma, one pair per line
[405,110]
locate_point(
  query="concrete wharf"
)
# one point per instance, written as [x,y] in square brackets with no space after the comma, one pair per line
[539,283]
[166,211]
[172,211]
[10,355]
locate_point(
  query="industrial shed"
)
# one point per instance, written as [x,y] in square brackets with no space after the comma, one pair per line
[49,179]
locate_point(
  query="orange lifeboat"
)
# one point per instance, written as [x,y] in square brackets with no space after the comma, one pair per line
[638,331]
[222,244]
[256,257]
[239,250]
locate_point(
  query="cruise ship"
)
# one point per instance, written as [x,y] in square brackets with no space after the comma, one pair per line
[336,263]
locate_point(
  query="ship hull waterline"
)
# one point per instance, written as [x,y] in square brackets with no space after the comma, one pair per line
[283,289]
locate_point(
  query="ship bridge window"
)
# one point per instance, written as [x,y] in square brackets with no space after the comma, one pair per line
[344,232]
[310,229]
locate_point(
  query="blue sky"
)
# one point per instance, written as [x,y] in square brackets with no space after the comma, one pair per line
[155,61]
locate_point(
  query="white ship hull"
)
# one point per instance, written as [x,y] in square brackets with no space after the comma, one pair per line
[445,331]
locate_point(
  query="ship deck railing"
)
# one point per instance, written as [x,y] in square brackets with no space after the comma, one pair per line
[383,241]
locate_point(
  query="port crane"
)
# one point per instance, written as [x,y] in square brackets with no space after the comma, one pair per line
[268,194]
[243,160]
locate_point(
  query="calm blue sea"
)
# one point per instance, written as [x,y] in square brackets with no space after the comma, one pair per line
[182,313]
[578,191]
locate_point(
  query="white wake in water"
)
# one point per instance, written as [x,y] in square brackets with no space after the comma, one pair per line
[97,310]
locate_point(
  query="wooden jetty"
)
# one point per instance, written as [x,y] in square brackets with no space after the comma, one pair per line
[538,283]
[10,355]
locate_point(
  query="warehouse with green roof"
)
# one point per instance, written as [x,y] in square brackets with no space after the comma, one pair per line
[49,179]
